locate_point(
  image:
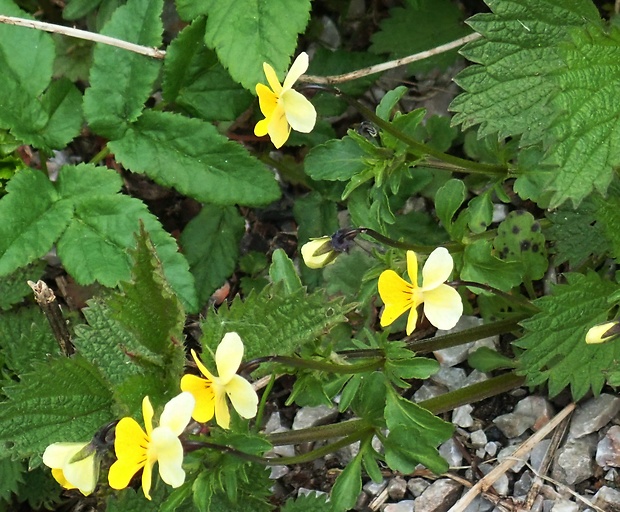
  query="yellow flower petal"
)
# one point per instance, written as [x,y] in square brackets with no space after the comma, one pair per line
[147,414]
[222,415]
[203,369]
[121,473]
[443,306]
[278,128]
[395,291]
[412,268]
[260,130]
[272,79]
[266,99]
[177,413]
[147,477]
[242,396]
[83,474]
[130,446]
[300,113]
[203,393]
[59,476]
[168,451]
[309,250]
[437,268]
[412,320]
[228,357]
[599,333]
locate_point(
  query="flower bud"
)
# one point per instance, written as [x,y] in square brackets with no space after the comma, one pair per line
[602,333]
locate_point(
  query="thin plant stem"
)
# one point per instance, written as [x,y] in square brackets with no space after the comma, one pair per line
[84,34]
[378,68]
[311,364]
[263,402]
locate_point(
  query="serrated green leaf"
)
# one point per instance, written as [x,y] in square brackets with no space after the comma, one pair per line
[246,33]
[607,216]
[274,322]
[63,400]
[31,219]
[14,287]
[434,22]
[482,266]
[554,342]
[121,81]
[389,101]
[210,243]
[348,486]
[192,157]
[514,63]
[576,234]
[282,270]
[76,9]
[130,500]
[312,501]
[26,338]
[336,160]
[11,475]
[196,82]
[519,238]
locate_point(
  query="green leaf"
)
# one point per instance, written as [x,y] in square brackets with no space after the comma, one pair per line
[448,200]
[26,338]
[336,160]
[11,475]
[76,9]
[192,157]
[519,238]
[389,101]
[481,213]
[14,287]
[434,22]
[554,342]
[64,400]
[121,81]
[282,270]
[607,217]
[482,266]
[348,486]
[29,228]
[210,243]
[576,234]
[245,34]
[196,82]
[38,113]
[305,502]
[487,360]
[274,322]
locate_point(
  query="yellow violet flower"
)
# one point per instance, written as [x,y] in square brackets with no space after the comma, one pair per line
[602,332]
[140,449]
[74,465]
[442,304]
[318,252]
[210,393]
[283,107]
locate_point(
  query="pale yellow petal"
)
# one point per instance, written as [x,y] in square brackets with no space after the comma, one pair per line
[299,67]
[204,395]
[300,113]
[57,455]
[322,259]
[147,414]
[169,454]
[278,128]
[177,413]
[266,99]
[272,79]
[597,334]
[242,396]
[83,474]
[222,415]
[437,268]
[443,306]
[228,357]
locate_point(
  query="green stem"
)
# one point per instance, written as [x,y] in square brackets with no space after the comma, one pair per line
[468,335]
[321,433]
[298,362]
[515,299]
[474,393]
[263,402]
[423,149]
[105,151]
[421,249]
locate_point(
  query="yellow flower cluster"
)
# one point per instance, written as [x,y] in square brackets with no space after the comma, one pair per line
[76,465]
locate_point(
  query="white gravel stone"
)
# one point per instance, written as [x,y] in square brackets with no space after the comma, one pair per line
[606,498]
[374,488]
[308,417]
[593,415]
[478,438]
[461,416]
[450,451]
[608,448]
[397,488]
[403,506]
[565,506]
[439,496]
[417,486]
[574,460]
[452,378]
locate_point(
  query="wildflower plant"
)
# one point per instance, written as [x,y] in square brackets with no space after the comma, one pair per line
[138,173]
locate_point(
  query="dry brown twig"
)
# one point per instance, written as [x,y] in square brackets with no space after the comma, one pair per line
[520,453]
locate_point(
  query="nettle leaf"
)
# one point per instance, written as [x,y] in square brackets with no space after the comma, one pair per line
[210,243]
[63,400]
[274,322]
[607,217]
[121,81]
[32,217]
[435,22]
[14,287]
[192,157]
[196,82]
[305,502]
[11,475]
[26,338]
[555,74]
[246,33]
[37,112]
[554,341]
